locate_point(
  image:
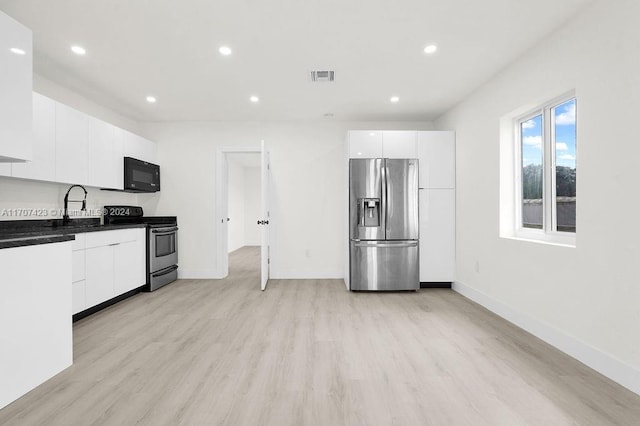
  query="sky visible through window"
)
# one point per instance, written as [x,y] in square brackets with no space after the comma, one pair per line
[565,127]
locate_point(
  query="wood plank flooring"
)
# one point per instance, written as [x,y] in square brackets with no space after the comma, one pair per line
[308,352]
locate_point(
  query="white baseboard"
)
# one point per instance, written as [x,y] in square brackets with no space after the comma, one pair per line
[198,274]
[607,365]
[306,275]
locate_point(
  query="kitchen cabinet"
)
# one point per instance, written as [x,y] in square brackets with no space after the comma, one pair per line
[114,263]
[5,169]
[140,148]
[72,133]
[35,320]
[105,155]
[437,156]
[16,80]
[42,166]
[383,144]
[99,275]
[437,235]
[399,144]
[129,261]
[365,144]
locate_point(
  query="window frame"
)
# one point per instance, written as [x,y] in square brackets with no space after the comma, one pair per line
[549,232]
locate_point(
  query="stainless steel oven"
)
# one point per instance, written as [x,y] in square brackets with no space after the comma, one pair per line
[163,255]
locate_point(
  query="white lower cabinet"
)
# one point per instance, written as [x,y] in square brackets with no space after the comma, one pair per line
[113,263]
[129,266]
[437,235]
[100,275]
[35,325]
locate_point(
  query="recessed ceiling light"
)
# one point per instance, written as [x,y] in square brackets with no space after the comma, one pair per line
[225,50]
[394,99]
[359,153]
[151,99]
[254,99]
[18,51]
[78,50]
[430,49]
[372,134]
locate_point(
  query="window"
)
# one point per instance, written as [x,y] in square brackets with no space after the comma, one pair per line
[546,177]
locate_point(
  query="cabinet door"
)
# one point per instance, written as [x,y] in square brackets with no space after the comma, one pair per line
[5,169]
[78,297]
[102,155]
[365,144]
[72,133]
[140,148]
[43,165]
[400,144]
[437,155]
[129,266]
[99,266]
[437,235]
[16,76]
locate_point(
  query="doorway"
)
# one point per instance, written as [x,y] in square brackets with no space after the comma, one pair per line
[243,217]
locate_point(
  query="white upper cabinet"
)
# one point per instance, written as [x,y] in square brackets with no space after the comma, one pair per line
[42,167]
[437,156]
[140,148]
[72,134]
[16,80]
[365,144]
[400,144]
[105,155]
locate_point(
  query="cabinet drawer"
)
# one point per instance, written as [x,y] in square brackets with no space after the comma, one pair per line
[78,297]
[78,271]
[105,238]
[79,242]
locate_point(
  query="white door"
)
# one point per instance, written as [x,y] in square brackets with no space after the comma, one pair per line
[264,252]
[224,215]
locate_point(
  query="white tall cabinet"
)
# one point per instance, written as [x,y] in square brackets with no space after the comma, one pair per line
[437,156]
[435,151]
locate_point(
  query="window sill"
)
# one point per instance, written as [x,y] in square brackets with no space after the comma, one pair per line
[568,241]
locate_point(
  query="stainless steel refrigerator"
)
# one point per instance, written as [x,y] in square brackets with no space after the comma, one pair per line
[383,224]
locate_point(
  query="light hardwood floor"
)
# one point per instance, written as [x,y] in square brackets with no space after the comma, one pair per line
[307,352]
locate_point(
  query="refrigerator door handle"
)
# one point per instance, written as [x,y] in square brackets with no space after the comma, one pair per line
[387,194]
[387,244]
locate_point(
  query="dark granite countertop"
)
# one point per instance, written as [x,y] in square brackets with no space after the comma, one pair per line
[17,233]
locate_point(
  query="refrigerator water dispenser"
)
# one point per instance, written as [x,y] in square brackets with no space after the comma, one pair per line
[369,212]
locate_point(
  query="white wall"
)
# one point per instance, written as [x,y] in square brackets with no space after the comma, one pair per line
[48,196]
[236,205]
[585,300]
[252,206]
[307,231]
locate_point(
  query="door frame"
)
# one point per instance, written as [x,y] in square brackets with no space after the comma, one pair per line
[222,244]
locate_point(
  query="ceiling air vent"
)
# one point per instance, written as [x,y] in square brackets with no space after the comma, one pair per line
[322,75]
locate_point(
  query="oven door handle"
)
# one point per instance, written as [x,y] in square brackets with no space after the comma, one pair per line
[165,230]
[169,270]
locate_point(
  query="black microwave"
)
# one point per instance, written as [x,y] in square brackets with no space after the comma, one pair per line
[140,176]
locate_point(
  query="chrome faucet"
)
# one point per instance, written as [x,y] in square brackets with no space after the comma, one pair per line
[65,217]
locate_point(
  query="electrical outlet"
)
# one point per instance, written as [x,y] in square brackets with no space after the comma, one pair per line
[478,266]
[307,253]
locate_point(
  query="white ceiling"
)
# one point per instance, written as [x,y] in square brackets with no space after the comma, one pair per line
[169,48]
